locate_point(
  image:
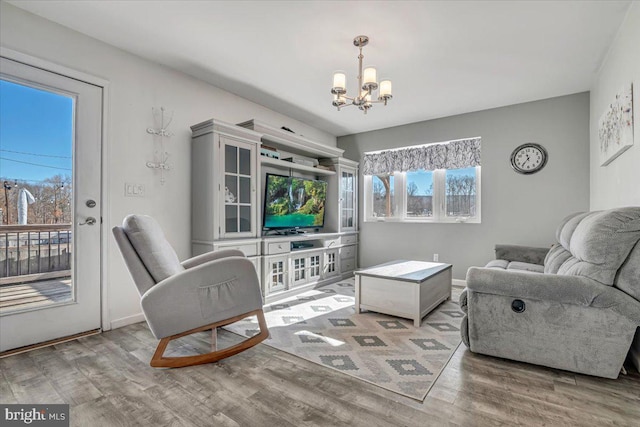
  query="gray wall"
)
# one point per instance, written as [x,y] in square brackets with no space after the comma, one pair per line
[516,209]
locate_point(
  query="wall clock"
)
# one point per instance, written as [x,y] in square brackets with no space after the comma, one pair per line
[528,158]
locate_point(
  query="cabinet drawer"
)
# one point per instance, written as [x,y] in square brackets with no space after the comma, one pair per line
[348,252]
[278,248]
[348,265]
[249,249]
[332,243]
[351,239]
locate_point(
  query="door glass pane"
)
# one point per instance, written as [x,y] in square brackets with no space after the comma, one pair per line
[245,161]
[245,189]
[230,159]
[36,131]
[231,218]
[245,218]
[231,189]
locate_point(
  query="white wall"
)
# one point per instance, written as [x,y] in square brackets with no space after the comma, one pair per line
[137,85]
[516,209]
[618,183]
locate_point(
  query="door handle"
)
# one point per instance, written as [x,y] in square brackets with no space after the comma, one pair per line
[89,221]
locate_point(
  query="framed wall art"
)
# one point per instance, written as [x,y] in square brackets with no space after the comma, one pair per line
[615,128]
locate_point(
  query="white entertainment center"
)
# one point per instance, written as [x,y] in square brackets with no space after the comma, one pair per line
[227,189]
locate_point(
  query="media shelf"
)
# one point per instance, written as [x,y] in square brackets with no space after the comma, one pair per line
[282,164]
[291,142]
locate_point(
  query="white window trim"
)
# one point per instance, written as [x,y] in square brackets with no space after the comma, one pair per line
[400,199]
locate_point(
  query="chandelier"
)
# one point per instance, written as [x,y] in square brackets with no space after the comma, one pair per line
[367,83]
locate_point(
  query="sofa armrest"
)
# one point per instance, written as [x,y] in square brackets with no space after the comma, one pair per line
[202,295]
[527,254]
[210,256]
[575,290]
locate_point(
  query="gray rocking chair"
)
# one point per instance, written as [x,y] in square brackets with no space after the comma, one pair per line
[201,293]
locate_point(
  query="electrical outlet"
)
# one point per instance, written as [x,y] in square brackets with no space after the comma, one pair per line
[435,257]
[133,190]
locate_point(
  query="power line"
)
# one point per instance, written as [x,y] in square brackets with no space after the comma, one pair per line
[36,181]
[34,164]
[36,154]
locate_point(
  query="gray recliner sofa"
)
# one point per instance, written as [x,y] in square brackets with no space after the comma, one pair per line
[575,306]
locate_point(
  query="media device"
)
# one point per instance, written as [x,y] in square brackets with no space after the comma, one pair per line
[291,203]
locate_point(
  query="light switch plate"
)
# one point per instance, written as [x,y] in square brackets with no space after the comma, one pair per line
[133,190]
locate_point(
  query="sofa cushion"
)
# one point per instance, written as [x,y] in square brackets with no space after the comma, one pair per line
[152,247]
[502,264]
[525,266]
[498,263]
[567,227]
[599,242]
[528,254]
[628,279]
[555,258]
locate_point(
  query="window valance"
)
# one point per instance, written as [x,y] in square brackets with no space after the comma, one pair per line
[461,153]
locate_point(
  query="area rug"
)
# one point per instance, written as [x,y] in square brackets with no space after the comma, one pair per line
[321,326]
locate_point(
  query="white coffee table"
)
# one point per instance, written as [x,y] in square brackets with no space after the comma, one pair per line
[407,289]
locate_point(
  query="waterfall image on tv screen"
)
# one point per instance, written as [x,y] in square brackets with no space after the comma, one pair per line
[291,202]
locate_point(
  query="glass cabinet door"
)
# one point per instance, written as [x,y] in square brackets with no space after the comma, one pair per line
[347,205]
[238,194]
[299,270]
[276,275]
[331,267]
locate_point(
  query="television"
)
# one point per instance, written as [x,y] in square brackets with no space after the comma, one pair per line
[291,202]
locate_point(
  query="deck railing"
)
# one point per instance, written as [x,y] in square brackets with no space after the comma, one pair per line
[38,249]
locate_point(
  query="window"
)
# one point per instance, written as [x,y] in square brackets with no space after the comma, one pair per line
[383,200]
[437,182]
[441,195]
[460,192]
[420,194]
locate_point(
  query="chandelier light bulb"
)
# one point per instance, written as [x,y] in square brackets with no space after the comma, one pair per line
[385,88]
[370,74]
[339,83]
[385,91]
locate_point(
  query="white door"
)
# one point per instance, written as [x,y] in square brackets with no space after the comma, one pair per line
[59,229]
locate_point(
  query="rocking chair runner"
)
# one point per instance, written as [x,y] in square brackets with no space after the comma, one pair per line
[178,299]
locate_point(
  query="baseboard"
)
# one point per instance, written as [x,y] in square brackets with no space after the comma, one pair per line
[459,283]
[129,320]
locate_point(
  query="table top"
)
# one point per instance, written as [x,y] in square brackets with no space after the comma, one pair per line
[409,271]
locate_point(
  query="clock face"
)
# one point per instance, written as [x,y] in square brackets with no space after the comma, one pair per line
[528,158]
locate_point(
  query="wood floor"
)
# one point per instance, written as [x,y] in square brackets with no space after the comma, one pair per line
[34,294]
[107,381]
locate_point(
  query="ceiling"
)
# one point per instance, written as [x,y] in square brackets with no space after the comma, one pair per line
[444,57]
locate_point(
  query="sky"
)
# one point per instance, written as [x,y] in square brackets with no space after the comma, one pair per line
[36,133]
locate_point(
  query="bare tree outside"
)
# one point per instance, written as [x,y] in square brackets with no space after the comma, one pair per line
[420,199]
[460,191]
[383,200]
[52,205]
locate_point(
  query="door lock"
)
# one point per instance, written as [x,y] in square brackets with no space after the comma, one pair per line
[91,203]
[89,221]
